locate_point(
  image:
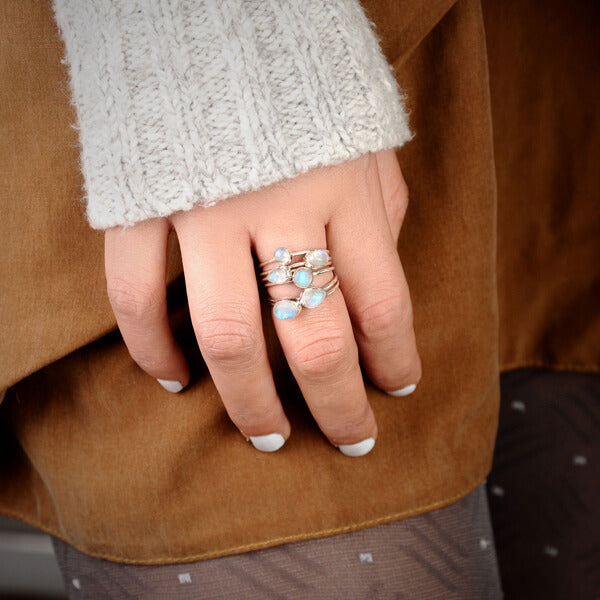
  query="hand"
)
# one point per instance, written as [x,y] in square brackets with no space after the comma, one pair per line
[354,209]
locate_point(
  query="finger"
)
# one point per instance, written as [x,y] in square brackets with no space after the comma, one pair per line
[135,263]
[393,190]
[225,312]
[320,348]
[375,288]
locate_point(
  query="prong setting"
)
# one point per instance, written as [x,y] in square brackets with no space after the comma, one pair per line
[283,256]
[302,277]
[286,309]
[279,275]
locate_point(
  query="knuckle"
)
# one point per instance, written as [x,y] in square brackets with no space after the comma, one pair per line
[386,315]
[132,298]
[232,340]
[361,184]
[355,175]
[320,357]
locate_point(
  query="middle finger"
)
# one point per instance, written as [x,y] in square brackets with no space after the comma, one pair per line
[320,347]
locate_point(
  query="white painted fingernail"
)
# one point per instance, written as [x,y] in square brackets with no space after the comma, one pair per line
[359,449]
[170,386]
[405,391]
[268,443]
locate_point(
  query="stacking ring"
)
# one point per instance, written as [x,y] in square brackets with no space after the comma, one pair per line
[302,274]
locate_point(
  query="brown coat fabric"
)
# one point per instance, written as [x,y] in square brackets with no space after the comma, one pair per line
[500,247]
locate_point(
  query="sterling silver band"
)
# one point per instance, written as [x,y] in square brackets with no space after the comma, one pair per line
[329,288]
[290,277]
[302,273]
[292,254]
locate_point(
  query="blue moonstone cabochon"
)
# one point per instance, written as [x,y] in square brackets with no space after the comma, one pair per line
[303,277]
[283,256]
[278,275]
[317,258]
[286,309]
[312,297]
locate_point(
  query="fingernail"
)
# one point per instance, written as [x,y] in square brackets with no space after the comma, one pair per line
[170,386]
[359,449]
[268,443]
[405,391]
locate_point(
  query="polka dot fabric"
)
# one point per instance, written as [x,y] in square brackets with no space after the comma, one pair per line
[544,489]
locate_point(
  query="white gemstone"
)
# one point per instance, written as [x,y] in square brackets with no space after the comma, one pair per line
[312,297]
[317,258]
[278,275]
[283,256]
[303,277]
[286,309]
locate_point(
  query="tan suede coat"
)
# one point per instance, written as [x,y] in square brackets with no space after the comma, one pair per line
[501,247]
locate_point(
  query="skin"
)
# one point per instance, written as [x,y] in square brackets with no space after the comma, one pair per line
[354,209]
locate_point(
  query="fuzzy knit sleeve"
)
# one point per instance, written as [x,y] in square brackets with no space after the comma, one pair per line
[183,103]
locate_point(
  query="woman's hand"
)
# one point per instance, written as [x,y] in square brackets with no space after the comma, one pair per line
[354,209]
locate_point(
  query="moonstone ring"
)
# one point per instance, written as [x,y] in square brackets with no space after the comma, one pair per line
[281,269]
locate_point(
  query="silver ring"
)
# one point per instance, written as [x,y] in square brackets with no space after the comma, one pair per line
[301,273]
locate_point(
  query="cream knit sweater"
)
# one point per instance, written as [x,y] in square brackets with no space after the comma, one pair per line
[187,102]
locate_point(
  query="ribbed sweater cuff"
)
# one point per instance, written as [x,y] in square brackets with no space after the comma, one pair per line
[187,102]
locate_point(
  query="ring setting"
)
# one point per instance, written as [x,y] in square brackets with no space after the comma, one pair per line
[302,274]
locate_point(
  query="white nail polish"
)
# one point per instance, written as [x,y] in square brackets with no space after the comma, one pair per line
[268,443]
[359,449]
[170,386]
[405,391]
